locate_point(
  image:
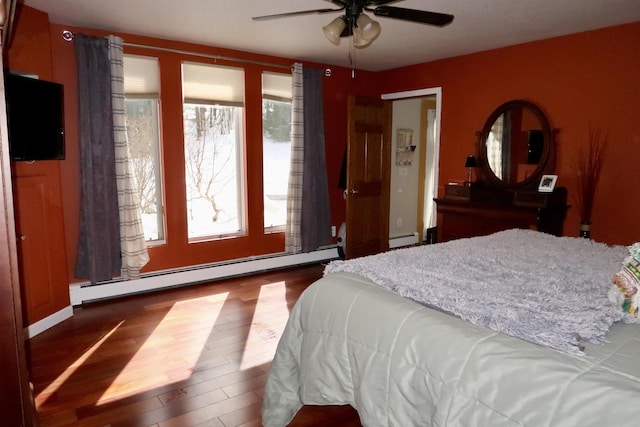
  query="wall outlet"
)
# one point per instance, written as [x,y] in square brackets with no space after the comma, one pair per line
[333,231]
[399,222]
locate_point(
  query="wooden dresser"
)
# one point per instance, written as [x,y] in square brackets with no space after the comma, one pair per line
[469,211]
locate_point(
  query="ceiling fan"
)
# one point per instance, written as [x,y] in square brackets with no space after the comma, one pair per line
[363,29]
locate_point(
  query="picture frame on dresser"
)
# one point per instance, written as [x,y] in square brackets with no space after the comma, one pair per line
[547,183]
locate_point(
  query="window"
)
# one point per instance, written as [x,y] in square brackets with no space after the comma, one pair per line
[213,140]
[276,147]
[141,86]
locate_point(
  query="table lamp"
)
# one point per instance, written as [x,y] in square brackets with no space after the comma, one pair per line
[470,163]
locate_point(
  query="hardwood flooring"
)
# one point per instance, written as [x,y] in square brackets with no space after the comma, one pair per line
[192,356]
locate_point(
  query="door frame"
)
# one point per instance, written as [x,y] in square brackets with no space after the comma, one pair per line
[419,93]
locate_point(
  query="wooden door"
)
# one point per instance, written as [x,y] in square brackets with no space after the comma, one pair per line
[368,176]
[41,240]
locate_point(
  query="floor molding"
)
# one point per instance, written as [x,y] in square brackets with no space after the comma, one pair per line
[49,321]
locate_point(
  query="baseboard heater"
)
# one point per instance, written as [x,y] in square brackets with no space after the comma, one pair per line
[405,240]
[84,292]
[80,293]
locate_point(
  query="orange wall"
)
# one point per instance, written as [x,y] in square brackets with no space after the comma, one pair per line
[581,81]
[34,34]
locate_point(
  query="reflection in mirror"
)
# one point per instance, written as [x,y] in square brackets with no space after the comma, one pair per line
[497,156]
[515,143]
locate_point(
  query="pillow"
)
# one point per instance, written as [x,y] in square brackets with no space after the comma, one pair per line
[626,284]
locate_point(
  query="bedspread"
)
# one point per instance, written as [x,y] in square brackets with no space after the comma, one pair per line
[549,290]
[401,364]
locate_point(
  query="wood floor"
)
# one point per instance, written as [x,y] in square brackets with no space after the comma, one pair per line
[193,356]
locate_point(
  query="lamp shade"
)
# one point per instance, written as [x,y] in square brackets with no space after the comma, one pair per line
[366,28]
[470,162]
[358,41]
[334,29]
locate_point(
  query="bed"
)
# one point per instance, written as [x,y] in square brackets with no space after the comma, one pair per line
[559,351]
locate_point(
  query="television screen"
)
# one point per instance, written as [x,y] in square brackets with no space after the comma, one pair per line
[35,118]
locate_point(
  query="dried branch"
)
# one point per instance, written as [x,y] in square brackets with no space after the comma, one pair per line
[588,164]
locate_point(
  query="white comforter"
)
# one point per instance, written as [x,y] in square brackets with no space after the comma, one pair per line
[349,341]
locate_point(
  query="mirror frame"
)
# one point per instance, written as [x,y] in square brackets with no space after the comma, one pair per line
[547,158]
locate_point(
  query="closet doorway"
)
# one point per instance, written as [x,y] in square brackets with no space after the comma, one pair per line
[414,164]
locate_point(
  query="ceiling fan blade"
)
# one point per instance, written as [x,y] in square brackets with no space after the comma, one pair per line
[420,16]
[380,2]
[302,12]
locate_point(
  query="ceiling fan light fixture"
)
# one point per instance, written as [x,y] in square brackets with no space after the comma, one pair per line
[334,29]
[358,40]
[367,28]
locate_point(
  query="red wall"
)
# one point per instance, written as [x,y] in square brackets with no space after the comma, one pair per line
[581,81]
[34,36]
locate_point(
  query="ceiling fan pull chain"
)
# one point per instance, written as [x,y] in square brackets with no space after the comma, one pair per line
[352,58]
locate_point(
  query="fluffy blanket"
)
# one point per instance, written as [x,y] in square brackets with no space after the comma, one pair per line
[549,290]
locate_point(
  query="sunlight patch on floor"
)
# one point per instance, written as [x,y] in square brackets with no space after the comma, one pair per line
[269,319]
[64,377]
[166,357]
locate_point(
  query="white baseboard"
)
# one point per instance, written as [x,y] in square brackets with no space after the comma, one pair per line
[84,292]
[49,321]
[400,241]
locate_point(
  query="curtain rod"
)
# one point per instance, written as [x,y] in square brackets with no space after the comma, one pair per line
[68,36]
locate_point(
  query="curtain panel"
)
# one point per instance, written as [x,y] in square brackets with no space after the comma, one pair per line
[98,257]
[133,246]
[293,238]
[308,210]
[315,221]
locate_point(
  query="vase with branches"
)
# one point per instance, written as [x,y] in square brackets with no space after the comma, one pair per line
[588,165]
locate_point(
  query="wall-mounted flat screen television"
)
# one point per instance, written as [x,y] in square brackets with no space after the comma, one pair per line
[35,118]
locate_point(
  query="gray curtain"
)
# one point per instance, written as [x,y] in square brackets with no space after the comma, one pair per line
[99,241]
[315,218]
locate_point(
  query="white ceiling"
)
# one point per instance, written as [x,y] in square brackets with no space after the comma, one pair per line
[478,25]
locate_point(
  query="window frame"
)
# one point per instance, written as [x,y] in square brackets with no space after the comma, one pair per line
[151,93]
[276,94]
[225,100]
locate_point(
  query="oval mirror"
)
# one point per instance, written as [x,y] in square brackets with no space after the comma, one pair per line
[515,145]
